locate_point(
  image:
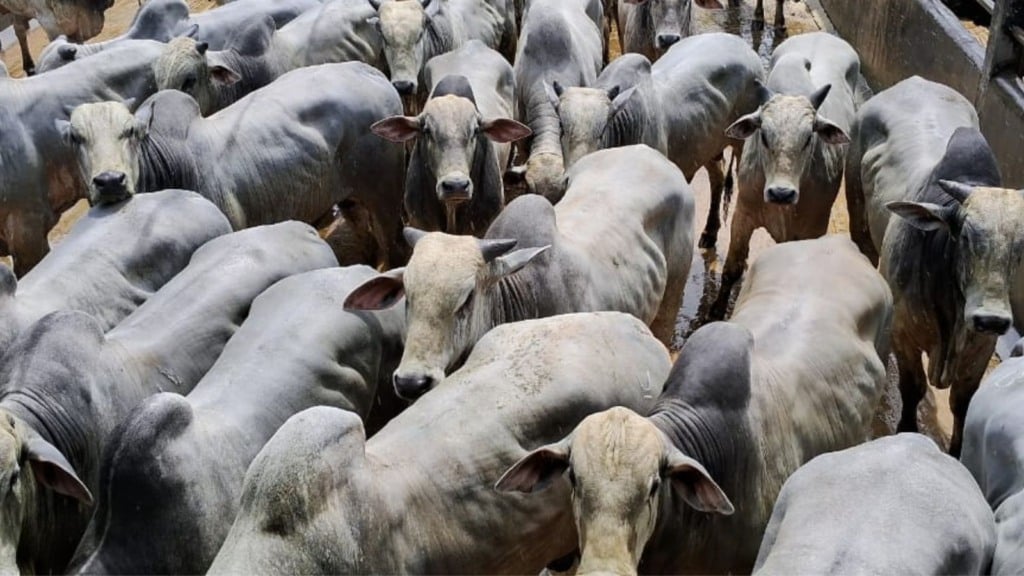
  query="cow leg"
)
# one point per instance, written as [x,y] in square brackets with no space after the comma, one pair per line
[716,178]
[739,249]
[26,238]
[780,15]
[960,395]
[913,382]
[758,22]
[860,233]
[21,32]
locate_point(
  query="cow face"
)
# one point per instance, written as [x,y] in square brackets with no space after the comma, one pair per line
[452,300]
[27,464]
[619,466]
[670,19]
[585,115]
[450,131]
[185,65]
[402,25]
[985,225]
[784,134]
[106,139]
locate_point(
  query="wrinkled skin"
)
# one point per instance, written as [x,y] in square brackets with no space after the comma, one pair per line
[619,464]
[106,138]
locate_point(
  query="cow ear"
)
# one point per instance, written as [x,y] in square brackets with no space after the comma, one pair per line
[52,469]
[819,95]
[144,116]
[397,129]
[64,129]
[67,52]
[191,32]
[925,215]
[744,127]
[709,4]
[697,487]
[536,470]
[378,293]
[620,100]
[503,130]
[829,132]
[514,261]
[222,73]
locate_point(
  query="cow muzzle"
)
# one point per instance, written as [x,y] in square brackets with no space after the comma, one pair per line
[987,322]
[110,187]
[781,195]
[404,87]
[410,387]
[666,41]
[455,189]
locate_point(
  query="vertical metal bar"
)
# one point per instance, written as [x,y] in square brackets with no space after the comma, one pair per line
[1004,53]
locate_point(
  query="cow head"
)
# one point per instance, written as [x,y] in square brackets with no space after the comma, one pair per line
[450,286]
[670,19]
[450,131]
[982,220]
[585,115]
[403,25]
[188,66]
[105,136]
[28,463]
[784,134]
[619,466]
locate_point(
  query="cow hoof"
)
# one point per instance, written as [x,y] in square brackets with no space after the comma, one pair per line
[707,240]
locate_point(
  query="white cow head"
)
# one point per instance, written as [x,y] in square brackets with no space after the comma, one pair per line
[670,19]
[452,300]
[585,115]
[619,465]
[788,130]
[403,25]
[105,136]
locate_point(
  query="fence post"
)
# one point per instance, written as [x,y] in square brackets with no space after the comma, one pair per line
[1004,53]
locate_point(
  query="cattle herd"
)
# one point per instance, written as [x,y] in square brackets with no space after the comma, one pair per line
[466,370]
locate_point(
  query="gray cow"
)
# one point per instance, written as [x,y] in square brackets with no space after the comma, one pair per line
[172,477]
[416,497]
[680,107]
[309,147]
[994,454]
[414,31]
[259,53]
[598,249]
[896,505]
[792,163]
[797,372]
[163,20]
[38,177]
[953,252]
[453,182]
[112,260]
[68,385]
[560,42]
[651,27]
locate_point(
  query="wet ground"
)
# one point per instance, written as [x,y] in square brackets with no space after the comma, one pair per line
[801,17]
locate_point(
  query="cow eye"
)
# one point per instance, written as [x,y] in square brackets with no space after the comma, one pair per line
[464,305]
[655,484]
[188,84]
[807,144]
[13,483]
[764,139]
[572,478]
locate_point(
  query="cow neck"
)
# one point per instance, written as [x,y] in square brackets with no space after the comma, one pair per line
[627,127]
[166,162]
[515,299]
[439,34]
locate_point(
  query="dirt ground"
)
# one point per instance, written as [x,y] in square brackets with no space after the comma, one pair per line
[704,277]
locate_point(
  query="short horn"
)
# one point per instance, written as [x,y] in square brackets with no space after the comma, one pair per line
[956,190]
[491,249]
[819,95]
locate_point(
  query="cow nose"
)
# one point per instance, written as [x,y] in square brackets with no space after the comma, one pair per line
[455,188]
[404,87]
[781,195]
[412,387]
[991,323]
[109,181]
[665,41]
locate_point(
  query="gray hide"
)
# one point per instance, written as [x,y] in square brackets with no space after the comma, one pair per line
[69,385]
[953,252]
[172,476]
[896,505]
[111,261]
[650,27]
[994,453]
[308,148]
[792,163]
[681,108]
[258,53]
[598,249]
[560,42]
[453,182]
[163,20]
[38,178]
[797,372]
[320,499]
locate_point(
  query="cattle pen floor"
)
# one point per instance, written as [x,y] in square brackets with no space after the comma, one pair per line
[801,16]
